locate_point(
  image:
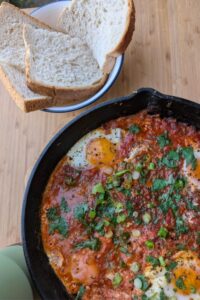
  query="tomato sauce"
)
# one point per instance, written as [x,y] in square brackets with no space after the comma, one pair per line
[103,225]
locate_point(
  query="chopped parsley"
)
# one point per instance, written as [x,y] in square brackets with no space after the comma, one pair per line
[64,206]
[124,249]
[181,227]
[171,266]
[99,227]
[93,244]
[163,296]
[188,155]
[56,222]
[153,260]
[191,206]
[180,183]
[171,160]
[159,184]
[134,129]
[129,208]
[52,214]
[60,225]
[180,283]
[163,140]
[80,211]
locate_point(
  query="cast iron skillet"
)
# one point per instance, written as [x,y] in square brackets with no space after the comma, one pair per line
[47,283]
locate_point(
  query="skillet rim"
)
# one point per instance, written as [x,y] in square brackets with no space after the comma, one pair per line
[24,231]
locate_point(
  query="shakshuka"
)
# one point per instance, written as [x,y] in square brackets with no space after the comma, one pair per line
[120,216]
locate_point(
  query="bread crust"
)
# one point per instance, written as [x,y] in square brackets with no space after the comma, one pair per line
[125,41]
[24,105]
[63,96]
[23,14]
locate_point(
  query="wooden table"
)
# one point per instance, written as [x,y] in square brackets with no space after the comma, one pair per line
[164,54]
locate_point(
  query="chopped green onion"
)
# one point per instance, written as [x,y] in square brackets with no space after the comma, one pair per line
[163,232]
[162,262]
[146,218]
[121,218]
[151,166]
[118,207]
[144,281]
[135,267]
[135,233]
[98,188]
[138,283]
[136,175]
[121,173]
[139,167]
[135,214]
[117,280]
[106,223]
[92,214]
[149,244]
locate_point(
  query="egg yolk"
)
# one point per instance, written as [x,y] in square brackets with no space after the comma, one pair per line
[188,271]
[100,151]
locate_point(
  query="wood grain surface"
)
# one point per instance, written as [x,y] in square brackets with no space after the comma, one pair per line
[164,54]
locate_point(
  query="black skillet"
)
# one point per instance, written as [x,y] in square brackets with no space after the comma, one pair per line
[47,283]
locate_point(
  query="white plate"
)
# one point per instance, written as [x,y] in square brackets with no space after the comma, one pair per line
[49,14]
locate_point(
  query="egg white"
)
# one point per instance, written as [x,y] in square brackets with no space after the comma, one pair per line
[192,180]
[77,154]
[135,151]
[159,282]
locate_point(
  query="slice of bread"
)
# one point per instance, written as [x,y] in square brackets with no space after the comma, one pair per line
[107,27]
[15,82]
[12,48]
[12,58]
[60,66]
